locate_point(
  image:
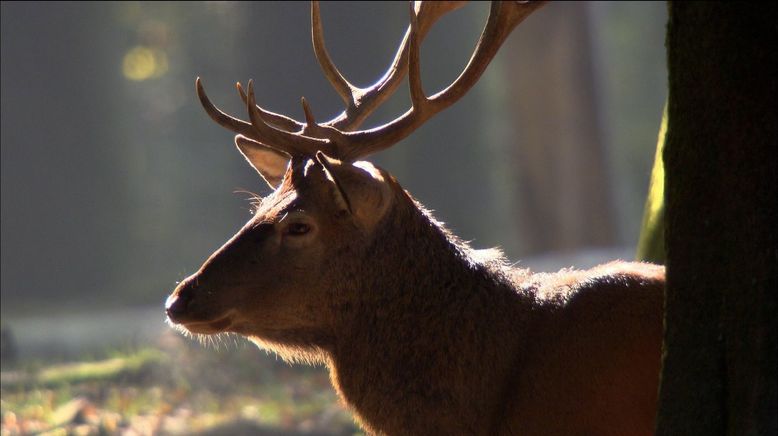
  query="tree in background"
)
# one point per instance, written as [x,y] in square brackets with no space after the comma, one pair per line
[721,205]
[562,164]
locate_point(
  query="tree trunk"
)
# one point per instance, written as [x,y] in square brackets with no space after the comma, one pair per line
[719,374]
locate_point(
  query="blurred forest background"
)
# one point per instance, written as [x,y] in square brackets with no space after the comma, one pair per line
[115,183]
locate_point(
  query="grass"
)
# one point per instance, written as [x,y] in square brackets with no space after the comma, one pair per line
[174,387]
[68,373]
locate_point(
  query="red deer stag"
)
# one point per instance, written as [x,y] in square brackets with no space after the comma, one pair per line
[421,333]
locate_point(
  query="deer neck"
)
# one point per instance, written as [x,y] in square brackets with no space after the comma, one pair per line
[438,332]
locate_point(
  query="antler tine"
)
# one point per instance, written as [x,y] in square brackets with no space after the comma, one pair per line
[292,143]
[221,118]
[414,65]
[503,18]
[309,118]
[258,130]
[278,120]
[345,89]
[361,102]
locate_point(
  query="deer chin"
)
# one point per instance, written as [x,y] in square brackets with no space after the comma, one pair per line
[292,353]
[216,326]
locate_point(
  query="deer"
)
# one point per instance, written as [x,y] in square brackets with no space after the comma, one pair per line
[421,333]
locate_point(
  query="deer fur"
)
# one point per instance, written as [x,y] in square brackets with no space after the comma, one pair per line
[421,333]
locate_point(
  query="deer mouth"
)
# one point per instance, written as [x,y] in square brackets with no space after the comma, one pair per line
[219,325]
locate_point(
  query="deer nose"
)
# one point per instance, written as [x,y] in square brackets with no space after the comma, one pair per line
[177,303]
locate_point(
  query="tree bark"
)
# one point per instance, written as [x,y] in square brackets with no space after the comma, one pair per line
[719,374]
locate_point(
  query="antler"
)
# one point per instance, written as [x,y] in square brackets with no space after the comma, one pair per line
[338,137]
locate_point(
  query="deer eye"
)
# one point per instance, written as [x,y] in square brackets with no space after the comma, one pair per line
[297,229]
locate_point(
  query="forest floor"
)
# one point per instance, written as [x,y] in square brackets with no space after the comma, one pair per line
[176,386]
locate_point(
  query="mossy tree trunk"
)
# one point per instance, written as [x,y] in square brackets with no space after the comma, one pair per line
[719,374]
[651,243]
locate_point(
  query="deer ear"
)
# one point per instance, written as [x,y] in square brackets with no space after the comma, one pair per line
[270,163]
[360,187]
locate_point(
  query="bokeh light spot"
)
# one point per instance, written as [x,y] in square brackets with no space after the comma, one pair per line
[142,63]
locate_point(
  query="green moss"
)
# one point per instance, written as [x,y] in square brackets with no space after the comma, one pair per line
[651,244]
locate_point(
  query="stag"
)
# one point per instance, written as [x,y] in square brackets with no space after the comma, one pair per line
[421,333]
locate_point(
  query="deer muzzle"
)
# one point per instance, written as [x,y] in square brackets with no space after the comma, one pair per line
[186,307]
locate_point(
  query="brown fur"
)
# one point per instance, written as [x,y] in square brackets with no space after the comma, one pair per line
[421,333]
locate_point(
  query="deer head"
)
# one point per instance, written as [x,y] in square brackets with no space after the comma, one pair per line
[307,255]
